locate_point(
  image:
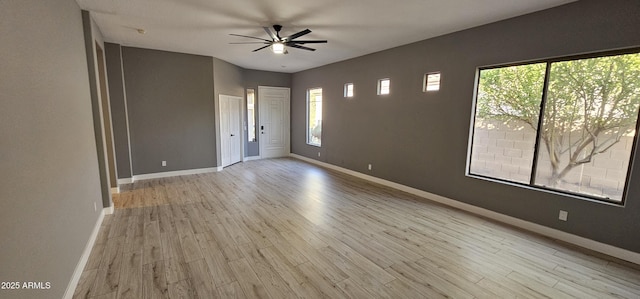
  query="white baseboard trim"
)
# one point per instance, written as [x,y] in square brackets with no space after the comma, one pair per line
[125,181]
[108,210]
[607,249]
[251,158]
[157,175]
[115,190]
[75,278]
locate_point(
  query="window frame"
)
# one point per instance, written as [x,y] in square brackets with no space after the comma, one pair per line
[380,87]
[346,90]
[531,185]
[307,128]
[254,106]
[425,82]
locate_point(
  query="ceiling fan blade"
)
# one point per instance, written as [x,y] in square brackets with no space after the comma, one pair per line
[272,35]
[242,43]
[301,47]
[258,49]
[296,35]
[308,41]
[262,39]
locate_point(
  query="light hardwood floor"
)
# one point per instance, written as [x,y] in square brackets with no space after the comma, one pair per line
[283,228]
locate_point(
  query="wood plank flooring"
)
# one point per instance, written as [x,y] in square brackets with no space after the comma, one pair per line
[283,228]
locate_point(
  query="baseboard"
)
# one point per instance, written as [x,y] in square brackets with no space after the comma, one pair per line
[115,190]
[607,249]
[75,278]
[125,181]
[157,175]
[251,158]
[108,210]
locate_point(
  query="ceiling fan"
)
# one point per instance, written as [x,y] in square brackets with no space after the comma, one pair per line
[278,44]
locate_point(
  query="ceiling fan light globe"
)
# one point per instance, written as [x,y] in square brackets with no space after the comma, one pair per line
[278,48]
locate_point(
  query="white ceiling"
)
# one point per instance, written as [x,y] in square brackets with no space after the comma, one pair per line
[352,27]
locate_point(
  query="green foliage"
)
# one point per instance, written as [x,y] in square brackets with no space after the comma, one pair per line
[590,104]
[511,93]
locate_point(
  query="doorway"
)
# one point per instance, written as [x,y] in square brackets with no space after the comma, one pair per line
[274,120]
[230,129]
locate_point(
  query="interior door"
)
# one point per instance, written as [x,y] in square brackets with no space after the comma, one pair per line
[230,129]
[274,121]
[235,129]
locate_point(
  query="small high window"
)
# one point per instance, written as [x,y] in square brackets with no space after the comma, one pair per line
[348,90]
[384,86]
[431,82]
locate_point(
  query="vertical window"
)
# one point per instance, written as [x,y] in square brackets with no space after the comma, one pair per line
[566,125]
[314,116]
[588,125]
[384,86]
[504,132]
[251,115]
[348,90]
[431,82]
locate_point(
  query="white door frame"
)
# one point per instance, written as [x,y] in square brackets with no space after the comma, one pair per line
[262,90]
[219,128]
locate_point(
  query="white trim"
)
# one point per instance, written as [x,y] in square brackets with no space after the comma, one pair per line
[108,210]
[241,127]
[607,249]
[75,278]
[261,92]
[115,190]
[126,111]
[251,158]
[158,175]
[125,181]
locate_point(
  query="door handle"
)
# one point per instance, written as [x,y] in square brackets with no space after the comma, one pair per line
[261,127]
[232,135]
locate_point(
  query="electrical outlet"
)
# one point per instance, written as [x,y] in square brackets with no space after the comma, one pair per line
[563,215]
[369,166]
[318,154]
[95,206]
[164,163]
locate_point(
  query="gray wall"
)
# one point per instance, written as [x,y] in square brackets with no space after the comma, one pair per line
[227,80]
[253,79]
[420,139]
[154,109]
[171,110]
[49,181]
[118,102]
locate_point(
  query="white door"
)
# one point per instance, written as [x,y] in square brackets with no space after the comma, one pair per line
[230,129]
[274,121]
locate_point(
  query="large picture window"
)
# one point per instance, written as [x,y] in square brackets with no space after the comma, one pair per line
[314,116]
[564,125]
